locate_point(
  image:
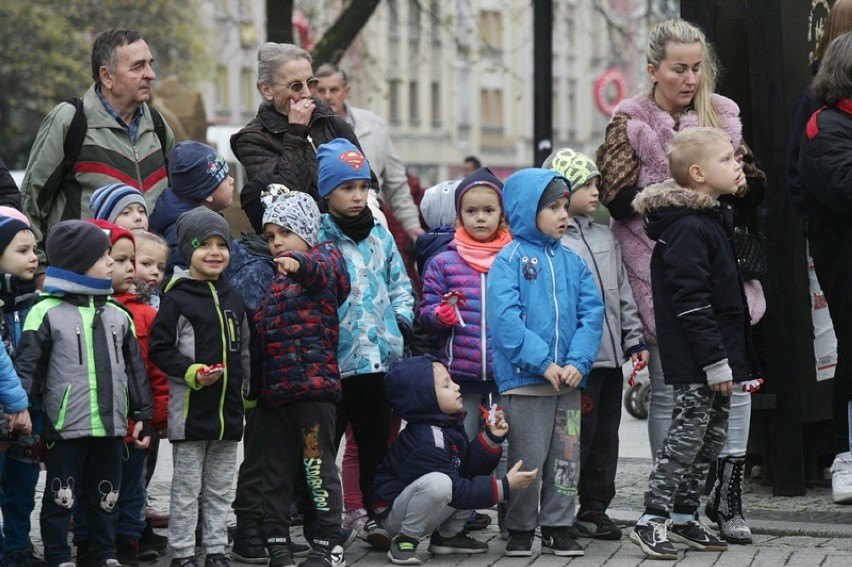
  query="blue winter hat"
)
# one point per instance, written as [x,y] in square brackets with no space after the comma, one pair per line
[108,202]
[340,161]
[9,227]
[196,170]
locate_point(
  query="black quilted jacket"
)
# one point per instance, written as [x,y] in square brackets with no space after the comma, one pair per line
[269,146]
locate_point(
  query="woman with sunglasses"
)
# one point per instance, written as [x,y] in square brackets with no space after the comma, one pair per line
[281,141]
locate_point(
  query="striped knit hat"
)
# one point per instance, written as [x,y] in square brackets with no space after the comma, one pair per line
[108,202]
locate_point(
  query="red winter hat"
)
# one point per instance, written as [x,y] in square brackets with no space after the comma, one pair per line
[114,232]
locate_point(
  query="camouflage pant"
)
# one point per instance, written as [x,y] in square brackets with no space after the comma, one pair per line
[696,436]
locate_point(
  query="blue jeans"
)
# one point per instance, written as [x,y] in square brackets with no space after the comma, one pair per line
[17,492]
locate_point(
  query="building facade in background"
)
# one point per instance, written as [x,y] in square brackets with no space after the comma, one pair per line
[451,77]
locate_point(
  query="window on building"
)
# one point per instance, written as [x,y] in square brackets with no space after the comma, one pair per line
[248,88]
[413,103]
[491,105]
[435,22]
[394,102]
[436,103]
[491,25]
[223,93]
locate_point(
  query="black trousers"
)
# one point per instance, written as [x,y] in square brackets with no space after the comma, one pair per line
[301,436]
[364,406]
[93,463]
[599,424]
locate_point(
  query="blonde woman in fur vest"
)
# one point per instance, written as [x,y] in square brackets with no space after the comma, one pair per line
[682,70]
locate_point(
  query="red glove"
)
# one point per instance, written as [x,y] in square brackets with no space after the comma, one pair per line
[446,315]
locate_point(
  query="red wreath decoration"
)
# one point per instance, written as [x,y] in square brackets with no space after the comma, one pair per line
[602,83]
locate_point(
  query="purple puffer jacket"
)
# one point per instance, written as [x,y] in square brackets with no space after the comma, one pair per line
[465,350]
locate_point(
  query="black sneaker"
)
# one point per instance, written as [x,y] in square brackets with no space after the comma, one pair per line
[151,544]
[324,556]
[403,550]
[346,538]
[249,544]
[459,543]
[477,521]
[596,524]
[652,538]
[280,556]
[697,536]
[22,558]
[560,542]
[217,560]
[191,561]
[376,535]
[519,544]
[298,549]
[127,551]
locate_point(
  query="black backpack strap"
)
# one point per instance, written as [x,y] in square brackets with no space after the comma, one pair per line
[160,131]
[75,136]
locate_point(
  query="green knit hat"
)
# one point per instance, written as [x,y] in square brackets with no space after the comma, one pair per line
[577,168]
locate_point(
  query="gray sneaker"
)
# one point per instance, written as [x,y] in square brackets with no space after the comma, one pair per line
[403,550]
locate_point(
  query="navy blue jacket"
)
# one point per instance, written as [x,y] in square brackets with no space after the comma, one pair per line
[434,442]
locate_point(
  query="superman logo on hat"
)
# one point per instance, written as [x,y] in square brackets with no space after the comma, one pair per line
[353,158]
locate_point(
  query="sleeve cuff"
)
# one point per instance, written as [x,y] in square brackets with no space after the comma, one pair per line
[191,376]
[718,372]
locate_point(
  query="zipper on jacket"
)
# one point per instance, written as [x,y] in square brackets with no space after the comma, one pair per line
[79,346]
[602,291]
[556,307]
[138,171]
[114,342]
[16,336]
[483,333]
[222,331]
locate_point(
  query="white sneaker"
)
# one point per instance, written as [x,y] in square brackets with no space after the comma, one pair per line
[841,479]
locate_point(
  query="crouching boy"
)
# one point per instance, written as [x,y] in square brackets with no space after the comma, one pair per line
[433,475]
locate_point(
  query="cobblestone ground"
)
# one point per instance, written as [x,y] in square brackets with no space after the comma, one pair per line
[790,531]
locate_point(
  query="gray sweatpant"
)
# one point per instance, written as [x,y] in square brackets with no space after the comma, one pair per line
[211,464]
[544,432]
[423,507]
[696,436]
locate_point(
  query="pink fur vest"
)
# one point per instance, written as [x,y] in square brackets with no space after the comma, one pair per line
[649,130]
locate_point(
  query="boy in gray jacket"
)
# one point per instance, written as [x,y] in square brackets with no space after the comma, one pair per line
[622,337]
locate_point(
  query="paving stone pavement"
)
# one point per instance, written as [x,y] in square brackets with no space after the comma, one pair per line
[807,530]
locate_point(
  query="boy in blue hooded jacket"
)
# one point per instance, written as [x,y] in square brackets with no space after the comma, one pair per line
[433,475]
[546,318]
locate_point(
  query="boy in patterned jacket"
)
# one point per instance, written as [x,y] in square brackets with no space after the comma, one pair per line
[298,327]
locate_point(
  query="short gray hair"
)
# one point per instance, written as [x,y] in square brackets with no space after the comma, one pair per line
[272,55]
[833,81]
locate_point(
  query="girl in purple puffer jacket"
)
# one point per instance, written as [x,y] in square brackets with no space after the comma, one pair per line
[453,304]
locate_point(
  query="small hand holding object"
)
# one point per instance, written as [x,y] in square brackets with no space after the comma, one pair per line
[636,380]
[520,479]
[553,374]
[571,376]
[287,265]
[456,300]
[497,421]
[20,421]
[141,435]
[752,386]
[446,315]
[209,374]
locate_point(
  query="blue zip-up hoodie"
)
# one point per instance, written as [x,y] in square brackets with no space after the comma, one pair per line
[542,302]
[434,442]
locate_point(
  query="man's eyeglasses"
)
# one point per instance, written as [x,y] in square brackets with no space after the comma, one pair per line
[297,86]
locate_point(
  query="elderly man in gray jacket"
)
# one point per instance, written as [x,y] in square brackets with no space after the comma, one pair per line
[373,135]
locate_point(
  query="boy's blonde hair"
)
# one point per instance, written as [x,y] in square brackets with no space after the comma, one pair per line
[689,147]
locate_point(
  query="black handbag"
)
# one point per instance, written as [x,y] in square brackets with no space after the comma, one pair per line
[749,250]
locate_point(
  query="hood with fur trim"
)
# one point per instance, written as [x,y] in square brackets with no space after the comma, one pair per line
[663,203]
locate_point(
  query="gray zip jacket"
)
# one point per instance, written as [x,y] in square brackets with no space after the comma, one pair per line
[622,329]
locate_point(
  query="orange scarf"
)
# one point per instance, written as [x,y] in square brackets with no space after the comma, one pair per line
[480,255]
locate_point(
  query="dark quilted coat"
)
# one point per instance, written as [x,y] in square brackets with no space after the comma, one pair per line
[269,146]
[299,330]
[466,351]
